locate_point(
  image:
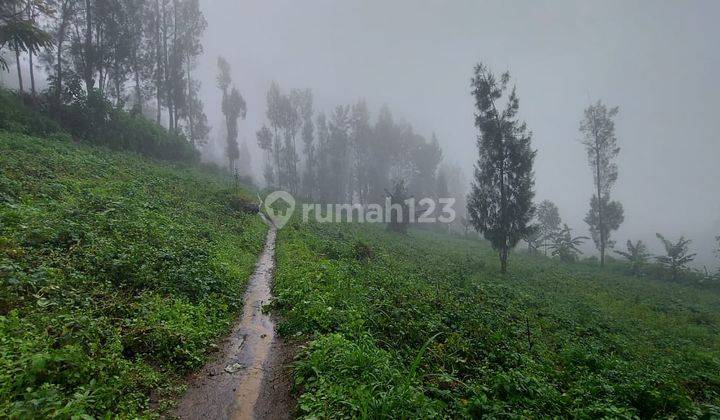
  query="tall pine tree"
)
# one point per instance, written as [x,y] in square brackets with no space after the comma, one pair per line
[500,203]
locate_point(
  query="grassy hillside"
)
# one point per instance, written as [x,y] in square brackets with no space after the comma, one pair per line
[424,325]
[117,275]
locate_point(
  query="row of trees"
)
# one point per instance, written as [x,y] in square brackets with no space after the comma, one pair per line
[554,236]
[137,53]
[344,157]
[140,55]
[20,33]
[606,215]
[675,261]
[500,203]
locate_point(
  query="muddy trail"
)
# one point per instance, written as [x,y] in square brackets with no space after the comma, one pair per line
[248,378]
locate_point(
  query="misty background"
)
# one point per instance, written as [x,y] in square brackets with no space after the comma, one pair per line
[658,61]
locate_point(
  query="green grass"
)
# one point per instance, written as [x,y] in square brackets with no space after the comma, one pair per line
[424,325]
[117,276]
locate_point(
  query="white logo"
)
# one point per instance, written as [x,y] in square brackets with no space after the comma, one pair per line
[279,206]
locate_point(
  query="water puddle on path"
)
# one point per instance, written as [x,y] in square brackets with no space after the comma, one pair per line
[230,386]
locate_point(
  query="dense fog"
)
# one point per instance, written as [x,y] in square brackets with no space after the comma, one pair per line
[658,62]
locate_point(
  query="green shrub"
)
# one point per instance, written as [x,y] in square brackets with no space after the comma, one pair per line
[356,379]
[17,117]
[92,119]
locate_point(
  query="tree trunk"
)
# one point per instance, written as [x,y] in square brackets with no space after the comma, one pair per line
[294,170]
[88,68]
[166,64]
[171,121]
[159,70]
[176,65]
[19,69]
[138,90]
[191,123]
[32,73]
[503,259]
[58,93]
[118,96]
[503,205]
[17,61]
[276,152]
[61,39]
[601,225]
[31,18]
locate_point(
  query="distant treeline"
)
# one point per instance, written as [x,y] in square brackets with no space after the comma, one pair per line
[501,203]
[344,156]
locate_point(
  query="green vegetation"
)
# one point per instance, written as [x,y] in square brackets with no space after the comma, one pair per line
[17,117]
[92,119]
[424,325]
[117,275]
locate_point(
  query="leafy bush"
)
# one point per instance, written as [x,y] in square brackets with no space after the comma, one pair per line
[717,252]
[92,119]
[17,117]
[363,251]
[677,256]
[357,379]
[565,246]
[243,203]
[637,255]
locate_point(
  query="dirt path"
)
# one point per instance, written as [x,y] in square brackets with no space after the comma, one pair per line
[248,378]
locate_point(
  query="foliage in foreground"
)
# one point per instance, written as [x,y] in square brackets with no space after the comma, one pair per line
[424,325]
[117,275]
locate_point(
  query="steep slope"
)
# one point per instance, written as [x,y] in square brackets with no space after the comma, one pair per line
[117,276]
[423,325]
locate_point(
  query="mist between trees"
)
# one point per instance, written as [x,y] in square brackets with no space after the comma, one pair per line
[108,61]
[113,67]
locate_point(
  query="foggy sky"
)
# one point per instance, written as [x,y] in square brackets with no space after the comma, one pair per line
[658,61]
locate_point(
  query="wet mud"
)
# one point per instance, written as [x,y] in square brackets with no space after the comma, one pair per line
[249,378]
